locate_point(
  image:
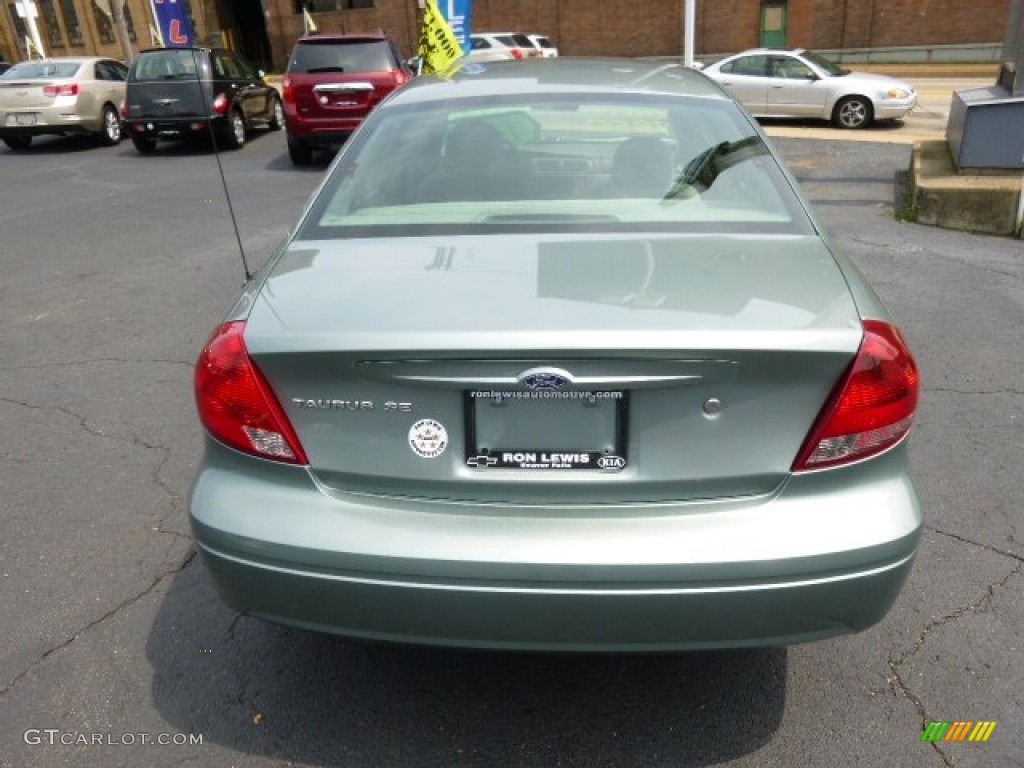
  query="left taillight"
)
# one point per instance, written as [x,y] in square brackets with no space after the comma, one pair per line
[62,89]
[871,409]
[237,405]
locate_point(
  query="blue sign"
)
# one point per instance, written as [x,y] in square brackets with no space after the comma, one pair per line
[459,15]
[175,28]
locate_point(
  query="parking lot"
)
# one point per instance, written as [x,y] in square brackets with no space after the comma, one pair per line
[116,266]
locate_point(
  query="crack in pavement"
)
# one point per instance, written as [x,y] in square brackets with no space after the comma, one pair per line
[93,361]
[895,680]
[160,577]
[133,440]
[928,252]
[83,422]
[954,390]
[989,547]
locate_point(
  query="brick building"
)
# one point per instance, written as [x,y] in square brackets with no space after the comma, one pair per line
[264,30]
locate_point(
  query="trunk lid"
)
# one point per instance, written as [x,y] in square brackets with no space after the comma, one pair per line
[554,369]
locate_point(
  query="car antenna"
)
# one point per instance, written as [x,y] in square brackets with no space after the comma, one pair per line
[220,167]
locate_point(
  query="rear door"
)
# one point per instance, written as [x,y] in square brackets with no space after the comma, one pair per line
[746,78]
[244,85]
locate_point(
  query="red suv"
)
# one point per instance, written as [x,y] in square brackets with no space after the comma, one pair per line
[331,84]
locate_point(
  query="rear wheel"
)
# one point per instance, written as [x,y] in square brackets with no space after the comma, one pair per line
[301,154]
[276,115]
[144,144]
[853,112]
[18,142]
[236,133]
[111,126]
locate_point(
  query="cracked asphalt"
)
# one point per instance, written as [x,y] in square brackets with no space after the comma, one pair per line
[114,269]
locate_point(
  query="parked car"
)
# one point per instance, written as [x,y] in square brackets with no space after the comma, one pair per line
[189,93]
[558,357]
[62,96]
[332,83]
[4,66]
[544,45]
[800,83]
[498,46]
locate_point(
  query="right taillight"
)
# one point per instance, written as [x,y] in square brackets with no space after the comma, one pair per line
[872,407]
[517,54]
[236,405]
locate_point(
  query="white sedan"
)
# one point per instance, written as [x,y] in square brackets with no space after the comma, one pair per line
[800,83]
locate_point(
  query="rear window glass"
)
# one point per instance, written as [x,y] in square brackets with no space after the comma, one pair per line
[371,56]
[177,64]
[516,41]
[558,163]
[43,69]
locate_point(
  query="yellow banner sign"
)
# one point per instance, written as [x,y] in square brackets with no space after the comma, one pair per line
[438,46]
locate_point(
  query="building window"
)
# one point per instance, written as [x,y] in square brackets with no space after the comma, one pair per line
[48,14]
[106,27]
[67,8]
[319,6]
[20,29]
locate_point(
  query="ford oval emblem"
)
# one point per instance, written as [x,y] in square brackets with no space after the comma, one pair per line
[545,379]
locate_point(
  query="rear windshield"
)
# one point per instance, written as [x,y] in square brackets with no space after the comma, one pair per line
[516,41]
[43,70]
[556,163]
[172,64]
[370,56]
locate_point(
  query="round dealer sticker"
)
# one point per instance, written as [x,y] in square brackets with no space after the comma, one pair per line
[428,438]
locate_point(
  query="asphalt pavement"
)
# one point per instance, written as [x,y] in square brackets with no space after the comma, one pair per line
[115,267]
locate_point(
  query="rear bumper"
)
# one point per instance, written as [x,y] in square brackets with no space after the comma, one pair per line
[52,124]
[320,133]
[185,128]
[810,561]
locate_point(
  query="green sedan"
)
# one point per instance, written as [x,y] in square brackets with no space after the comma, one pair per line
[558,358]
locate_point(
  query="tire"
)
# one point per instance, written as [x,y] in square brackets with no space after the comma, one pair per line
[144,144]
[235,138]
[18,142]
[853,112]
[301,154]
[111,133]
[276,122]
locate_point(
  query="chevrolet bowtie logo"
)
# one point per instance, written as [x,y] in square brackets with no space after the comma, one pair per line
[481,461]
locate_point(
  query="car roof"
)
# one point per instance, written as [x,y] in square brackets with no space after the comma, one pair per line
[560,75]
[66,59]
[354,38]
[196,49]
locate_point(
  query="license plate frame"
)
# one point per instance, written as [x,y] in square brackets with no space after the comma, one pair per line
[547,431]
[23,119]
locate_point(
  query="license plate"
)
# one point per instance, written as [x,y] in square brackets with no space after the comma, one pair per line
[23,118]
[546,430]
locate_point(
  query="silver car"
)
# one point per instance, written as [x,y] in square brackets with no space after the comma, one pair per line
[62,96]
[558,358]
[800,83]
